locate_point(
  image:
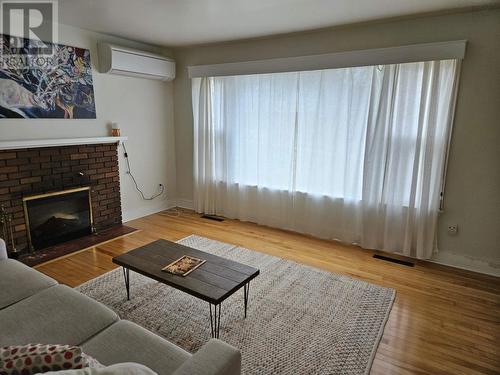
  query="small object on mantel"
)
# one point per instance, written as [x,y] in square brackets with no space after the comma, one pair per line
[115,129]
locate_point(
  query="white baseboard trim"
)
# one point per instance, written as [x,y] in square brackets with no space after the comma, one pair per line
[465,262]
[136,214]
[185,203]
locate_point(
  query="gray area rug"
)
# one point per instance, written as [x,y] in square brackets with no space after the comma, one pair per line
[301,320]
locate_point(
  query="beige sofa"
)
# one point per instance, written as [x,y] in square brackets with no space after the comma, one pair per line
[34,308]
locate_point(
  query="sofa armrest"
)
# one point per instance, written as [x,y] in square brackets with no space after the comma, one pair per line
[3,250]
[214,358]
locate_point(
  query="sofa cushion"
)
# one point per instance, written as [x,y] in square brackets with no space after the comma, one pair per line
[18,281]
[57,315]
[127,342]
[127,368]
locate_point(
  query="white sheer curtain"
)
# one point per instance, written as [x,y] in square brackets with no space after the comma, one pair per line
[354,154]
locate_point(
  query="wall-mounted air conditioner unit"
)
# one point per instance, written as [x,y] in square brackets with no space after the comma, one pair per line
[129,62]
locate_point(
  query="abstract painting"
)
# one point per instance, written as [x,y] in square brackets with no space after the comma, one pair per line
[45,86]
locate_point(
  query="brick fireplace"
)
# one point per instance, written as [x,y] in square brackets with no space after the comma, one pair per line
[26,172]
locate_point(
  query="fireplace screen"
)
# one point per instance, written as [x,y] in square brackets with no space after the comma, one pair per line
[58,217]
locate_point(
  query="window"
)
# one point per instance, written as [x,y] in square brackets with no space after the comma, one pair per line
[358,150]
[306,131]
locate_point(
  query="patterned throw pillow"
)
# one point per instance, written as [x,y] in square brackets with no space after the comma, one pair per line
[38,358]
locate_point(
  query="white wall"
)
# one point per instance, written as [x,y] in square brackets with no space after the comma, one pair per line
[144,110]
[472,197]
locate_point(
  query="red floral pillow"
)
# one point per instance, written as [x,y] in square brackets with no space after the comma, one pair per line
[38,358]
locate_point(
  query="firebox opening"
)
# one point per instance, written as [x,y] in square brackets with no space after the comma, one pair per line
[58,217]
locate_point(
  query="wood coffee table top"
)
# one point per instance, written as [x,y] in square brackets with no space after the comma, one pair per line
[214,281]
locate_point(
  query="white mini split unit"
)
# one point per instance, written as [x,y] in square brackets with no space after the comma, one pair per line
[130,62]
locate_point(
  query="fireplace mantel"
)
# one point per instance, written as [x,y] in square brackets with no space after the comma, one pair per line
[37,143]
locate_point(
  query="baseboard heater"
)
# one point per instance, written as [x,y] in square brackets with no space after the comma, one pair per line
[398,261]
[212,217]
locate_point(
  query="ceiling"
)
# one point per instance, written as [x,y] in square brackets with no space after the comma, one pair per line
[188,22]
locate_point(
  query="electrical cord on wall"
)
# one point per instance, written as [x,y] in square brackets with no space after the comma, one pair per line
[129,172]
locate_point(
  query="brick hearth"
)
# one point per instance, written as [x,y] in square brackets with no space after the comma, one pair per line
[26,172]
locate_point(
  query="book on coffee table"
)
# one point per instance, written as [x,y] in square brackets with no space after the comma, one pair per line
[184,265]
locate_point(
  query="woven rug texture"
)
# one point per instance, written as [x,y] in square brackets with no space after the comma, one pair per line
[301,320]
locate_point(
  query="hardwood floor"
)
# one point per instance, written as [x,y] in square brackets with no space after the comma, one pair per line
[444,320]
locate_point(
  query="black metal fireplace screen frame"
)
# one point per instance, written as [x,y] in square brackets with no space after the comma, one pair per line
[51,194]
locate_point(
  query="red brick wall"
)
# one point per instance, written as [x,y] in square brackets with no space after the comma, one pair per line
[27,172]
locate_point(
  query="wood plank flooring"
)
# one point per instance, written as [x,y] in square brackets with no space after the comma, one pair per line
[444,320]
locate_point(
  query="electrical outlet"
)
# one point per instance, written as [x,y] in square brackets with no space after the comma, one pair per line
[452,229]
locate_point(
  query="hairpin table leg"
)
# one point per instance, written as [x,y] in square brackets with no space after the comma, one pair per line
[215,320]
[126,275]
[246,290]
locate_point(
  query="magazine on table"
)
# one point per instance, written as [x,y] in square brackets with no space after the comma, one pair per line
[184,265]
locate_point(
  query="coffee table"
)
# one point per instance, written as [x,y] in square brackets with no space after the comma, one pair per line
[214,281]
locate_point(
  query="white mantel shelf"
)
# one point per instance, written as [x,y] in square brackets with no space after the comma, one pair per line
[37,143]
